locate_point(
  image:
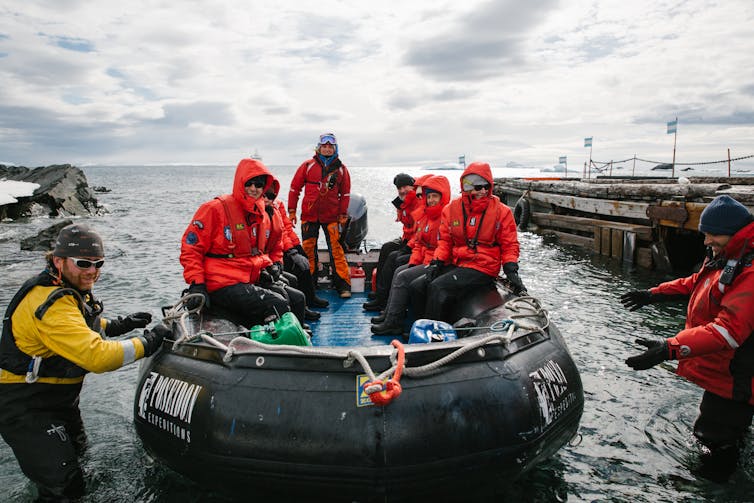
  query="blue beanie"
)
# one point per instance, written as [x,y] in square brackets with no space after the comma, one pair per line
[724,216]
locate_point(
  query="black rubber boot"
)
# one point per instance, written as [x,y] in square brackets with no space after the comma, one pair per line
[319,302]
[387,328]
[378,319]
[311,315]
[373,305]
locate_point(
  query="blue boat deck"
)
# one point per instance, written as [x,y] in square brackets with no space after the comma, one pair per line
[345,323]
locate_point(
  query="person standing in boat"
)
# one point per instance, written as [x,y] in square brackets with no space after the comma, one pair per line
[477,235]
[396,252]
[436,195]
[715,349]
[222,251]
[275,245]
[327,186]
[52,337]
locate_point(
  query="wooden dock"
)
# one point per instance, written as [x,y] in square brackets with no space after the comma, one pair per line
[650,222]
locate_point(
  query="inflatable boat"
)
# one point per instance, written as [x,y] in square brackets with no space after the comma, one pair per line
[347,416]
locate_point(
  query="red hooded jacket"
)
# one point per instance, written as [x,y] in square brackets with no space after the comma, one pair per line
[427,231]
[406,212]
[224,243]
[327,191]
[715,349]
[486,222]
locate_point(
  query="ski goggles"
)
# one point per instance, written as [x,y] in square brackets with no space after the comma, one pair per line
[327,138]
[84,263]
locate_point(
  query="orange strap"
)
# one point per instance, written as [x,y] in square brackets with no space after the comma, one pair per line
[392,388]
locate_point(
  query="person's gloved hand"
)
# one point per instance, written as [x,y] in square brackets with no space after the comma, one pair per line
[636,299]
[195,302]
[433,269]
[265,279]
[152,339]
[122,325]
[292,216]
[300,261]
[657,352]
[275,270]
[511,272]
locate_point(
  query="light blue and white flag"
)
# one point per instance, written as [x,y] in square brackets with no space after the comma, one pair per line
[562,159]
[588,142]
[672,126]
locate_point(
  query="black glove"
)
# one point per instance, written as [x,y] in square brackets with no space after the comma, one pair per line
[635,299]
[511,272]
[275,270]
[657,352]
[291,252]
[195,302]
[122,325]
[152,339]
[265,279]
[433,269]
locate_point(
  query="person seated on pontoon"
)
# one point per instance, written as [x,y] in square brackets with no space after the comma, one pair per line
[396,252]
[436,195]
[276,243]
[477,235]
[221,250]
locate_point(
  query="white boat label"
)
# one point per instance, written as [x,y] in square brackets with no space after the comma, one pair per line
[553,395]
[168,403]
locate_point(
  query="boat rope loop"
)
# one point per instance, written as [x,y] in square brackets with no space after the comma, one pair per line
[382,393]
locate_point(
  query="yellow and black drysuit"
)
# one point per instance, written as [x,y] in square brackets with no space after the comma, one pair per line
[52,336]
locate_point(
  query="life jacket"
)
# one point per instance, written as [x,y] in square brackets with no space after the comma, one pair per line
[238,236]
[485,226]
[16,361]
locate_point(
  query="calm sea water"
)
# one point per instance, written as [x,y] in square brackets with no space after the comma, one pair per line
[635,438]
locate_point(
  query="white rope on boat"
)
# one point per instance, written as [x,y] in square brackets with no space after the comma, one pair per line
[521,307]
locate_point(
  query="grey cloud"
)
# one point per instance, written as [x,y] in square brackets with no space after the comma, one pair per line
[600,47]
[485,42]
[276,110]
[697,115]
[215,113]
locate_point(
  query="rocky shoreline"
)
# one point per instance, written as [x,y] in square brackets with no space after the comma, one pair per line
[63,191]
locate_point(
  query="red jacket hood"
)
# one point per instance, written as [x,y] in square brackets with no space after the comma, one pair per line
[245,171]
[743,240]
[478,168]
[441,185]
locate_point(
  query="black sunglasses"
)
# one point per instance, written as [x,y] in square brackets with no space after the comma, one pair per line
[270,195]
[256,182]
[83,263]
[486,186]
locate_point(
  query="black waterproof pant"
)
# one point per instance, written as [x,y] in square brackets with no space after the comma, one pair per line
[295,298]
[721,426]
[385,274]
[450,287]
[298,265]
[249,304]
[42,424]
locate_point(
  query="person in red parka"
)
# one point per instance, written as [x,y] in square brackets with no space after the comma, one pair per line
[396,252]
[327,186]
[715,349]
[435,194]
[477,236]
[223,250]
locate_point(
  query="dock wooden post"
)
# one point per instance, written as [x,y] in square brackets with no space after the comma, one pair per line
[616,248]
[605,238]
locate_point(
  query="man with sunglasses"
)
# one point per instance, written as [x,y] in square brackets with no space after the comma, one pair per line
[477,236]
[224,251]
[52,336]
[327,185]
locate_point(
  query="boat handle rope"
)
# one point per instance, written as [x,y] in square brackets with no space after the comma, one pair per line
[382,393]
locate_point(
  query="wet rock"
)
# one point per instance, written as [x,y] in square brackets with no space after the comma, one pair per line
[45,240]
[63,191]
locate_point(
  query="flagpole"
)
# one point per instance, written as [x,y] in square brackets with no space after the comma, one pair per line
[675,137]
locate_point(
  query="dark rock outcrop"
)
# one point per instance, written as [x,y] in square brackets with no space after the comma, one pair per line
[45,239]
[63,190]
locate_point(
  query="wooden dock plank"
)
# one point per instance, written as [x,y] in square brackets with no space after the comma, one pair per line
[585,224]
[607,207]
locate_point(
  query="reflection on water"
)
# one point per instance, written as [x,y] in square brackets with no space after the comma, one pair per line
[636,442]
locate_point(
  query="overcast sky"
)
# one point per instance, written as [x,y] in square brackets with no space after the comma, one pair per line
[400,83]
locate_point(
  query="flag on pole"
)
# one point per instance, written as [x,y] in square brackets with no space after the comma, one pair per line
[672,126]
[588,142]
[562,159]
